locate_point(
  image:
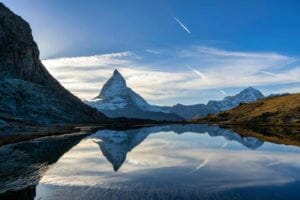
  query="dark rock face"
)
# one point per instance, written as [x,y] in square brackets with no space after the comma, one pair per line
[27,91]
[189,111]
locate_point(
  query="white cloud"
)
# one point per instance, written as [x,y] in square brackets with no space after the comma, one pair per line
[168,78]
[292,89]
[232,54]
[95,60]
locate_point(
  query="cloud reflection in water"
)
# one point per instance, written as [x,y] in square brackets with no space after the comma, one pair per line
[162,159]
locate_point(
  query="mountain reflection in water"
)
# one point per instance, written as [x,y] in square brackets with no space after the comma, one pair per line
[116,144]
[159,162]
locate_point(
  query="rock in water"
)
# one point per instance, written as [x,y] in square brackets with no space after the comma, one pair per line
[27,91]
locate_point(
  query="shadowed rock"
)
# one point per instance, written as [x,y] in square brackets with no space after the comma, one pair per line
[27,91]
[22,165]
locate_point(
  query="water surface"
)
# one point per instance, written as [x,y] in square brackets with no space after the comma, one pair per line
[162,162]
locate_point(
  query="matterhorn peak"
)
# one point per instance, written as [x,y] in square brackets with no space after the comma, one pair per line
[117,77]
[118,100]
[115,86]
[116,73]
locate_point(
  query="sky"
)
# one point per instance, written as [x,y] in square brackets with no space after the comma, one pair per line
[168,51]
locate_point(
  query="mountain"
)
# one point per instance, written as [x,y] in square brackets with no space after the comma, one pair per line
[247,95]
[27,91]
[118,100]
[188,111]
[278,110]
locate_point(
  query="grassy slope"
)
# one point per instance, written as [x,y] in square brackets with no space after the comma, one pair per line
[280,110]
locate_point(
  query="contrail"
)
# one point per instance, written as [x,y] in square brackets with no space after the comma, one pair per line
[224,145]
[200,74]
[222,91]
[269,73]
[182,25]
[274,163]
[200,166]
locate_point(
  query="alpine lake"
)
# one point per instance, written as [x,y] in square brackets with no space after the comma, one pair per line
[158,162]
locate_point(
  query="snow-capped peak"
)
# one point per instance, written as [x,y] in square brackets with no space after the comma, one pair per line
[115,95]
[115,86]
[249,94]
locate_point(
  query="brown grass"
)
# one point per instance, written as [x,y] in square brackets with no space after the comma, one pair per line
[280,110]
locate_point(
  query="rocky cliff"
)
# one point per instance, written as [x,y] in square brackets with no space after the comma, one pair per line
[27,91]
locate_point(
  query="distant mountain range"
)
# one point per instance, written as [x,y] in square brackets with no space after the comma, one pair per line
[118,100]
[247,95]
[28,93]
[277,110]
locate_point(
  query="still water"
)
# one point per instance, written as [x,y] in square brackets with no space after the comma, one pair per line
[161,162]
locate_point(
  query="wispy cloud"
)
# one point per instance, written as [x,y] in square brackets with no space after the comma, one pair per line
[85,76]
[95,60]
[195,50]
[166,80]
[152,51]
[182,25]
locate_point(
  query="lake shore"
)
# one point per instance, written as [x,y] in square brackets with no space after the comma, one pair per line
[14,132]
[19,132]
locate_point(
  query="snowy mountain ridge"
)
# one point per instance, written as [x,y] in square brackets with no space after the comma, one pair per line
[118,100]
[247,95]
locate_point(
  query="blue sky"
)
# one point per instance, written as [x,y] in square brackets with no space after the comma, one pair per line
[169,51]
